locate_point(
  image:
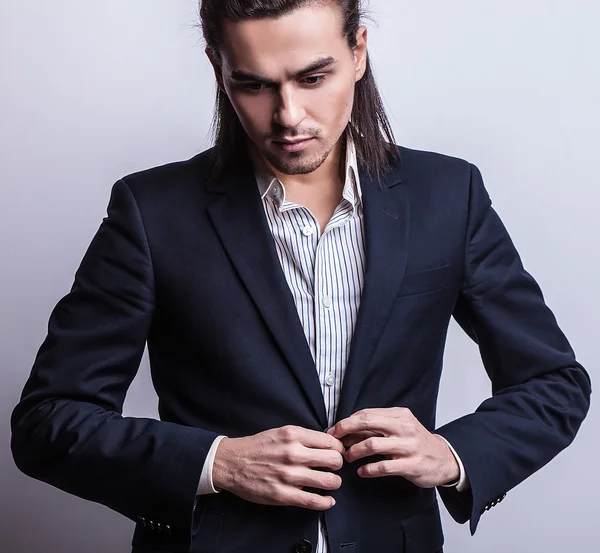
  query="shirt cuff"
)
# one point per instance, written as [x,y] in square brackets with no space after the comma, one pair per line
[205,485]
[463,483]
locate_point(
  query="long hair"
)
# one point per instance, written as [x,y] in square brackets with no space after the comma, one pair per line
[370,128]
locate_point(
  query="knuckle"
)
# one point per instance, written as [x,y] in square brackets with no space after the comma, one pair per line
[294,477]
[385,468]
[371,445]
[292,454]
[337,462]
[287,456]
[333,443]
[329,481]
[408,429]
[413,447]
[288,433]
[312,502]
[286,475]
[336,481]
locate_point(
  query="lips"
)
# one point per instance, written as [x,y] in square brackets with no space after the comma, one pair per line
[295,141]
[293,145]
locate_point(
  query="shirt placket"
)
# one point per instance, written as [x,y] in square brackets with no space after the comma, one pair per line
[321,338]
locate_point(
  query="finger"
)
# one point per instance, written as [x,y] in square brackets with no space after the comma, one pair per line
[361,422]
[311,438]
[380,469]
[305,477]
[374,446]
[297,454]
[307,500]
[392,412]
[356,438]
[333,460]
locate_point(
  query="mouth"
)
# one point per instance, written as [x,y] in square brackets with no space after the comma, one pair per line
[293,145]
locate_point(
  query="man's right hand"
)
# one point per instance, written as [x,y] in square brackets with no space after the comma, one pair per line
[273,466]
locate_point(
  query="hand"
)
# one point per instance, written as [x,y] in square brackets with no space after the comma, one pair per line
[273,466]
[411,450]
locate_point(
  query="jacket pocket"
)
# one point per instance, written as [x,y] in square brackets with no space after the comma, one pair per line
[425,281]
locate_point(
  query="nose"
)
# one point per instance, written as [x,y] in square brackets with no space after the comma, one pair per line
[289,112]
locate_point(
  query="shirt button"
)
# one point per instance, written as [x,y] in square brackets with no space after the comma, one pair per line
[307,231]
[330,380]
[327,302]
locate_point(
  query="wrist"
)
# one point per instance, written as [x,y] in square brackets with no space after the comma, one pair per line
[451,471]
[222,477]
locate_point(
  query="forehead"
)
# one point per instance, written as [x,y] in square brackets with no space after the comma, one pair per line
[272,45]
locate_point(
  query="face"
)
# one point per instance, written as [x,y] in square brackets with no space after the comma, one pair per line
[291,82]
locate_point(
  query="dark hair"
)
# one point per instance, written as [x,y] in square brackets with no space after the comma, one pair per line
[369,127]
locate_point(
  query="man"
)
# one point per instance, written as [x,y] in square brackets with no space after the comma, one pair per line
[294,285]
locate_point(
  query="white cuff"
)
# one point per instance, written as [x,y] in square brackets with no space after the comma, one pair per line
[205,485]
[463,483]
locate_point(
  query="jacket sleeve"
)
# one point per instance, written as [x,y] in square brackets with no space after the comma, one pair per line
[68,429]
[540,393]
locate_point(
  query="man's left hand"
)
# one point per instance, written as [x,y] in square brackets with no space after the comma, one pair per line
[411,450]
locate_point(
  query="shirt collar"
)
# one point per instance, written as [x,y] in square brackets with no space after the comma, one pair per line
[269,186]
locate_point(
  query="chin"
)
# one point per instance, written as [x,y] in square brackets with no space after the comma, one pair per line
[297,163]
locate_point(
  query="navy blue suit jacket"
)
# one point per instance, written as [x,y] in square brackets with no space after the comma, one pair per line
[189,266]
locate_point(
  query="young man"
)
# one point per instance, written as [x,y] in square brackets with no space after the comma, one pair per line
[294,285]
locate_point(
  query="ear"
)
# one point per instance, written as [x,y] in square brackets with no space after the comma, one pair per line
[360,53]
[217,68]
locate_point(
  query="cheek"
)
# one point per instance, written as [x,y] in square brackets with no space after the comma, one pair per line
[333,104]
[255,113]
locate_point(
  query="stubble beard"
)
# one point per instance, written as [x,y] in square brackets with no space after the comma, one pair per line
[297,163]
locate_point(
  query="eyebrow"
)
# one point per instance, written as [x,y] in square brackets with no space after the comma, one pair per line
[317,65]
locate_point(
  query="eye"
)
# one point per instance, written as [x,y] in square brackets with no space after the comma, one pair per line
[253,87]
[314,79]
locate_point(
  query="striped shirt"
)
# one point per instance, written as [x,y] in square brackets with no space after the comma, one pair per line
[325,273]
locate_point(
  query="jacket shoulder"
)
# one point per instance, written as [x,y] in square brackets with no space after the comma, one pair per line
[171,178]
[423,164]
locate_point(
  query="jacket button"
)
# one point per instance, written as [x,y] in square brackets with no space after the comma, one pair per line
[303,546]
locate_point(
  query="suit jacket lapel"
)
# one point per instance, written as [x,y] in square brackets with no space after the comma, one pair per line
[239,220]
[386,244]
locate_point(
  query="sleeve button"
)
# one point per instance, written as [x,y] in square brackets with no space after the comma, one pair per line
[303,546]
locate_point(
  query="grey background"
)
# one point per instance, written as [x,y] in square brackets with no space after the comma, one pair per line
[92,91]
